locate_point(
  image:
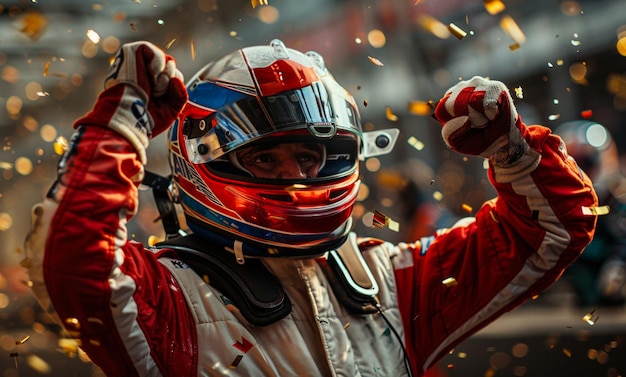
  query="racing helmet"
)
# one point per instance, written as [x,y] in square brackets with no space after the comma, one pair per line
[268,95]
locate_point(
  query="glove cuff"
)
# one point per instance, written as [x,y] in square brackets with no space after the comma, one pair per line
[122,108]
[521,167]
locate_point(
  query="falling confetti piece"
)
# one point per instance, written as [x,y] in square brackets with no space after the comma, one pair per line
[589,318]
[45,69]
[93,36]
[415,143]
[23,340]
[379,220]
[375,61]
[256,3]
[567,352]
[508,24]
[32,24]
[494,6]
[514,46]
[193,50]
[466,207]
[597,211]
[390,115]
[419,108]
[586,114]
[449,282]
[169,44]
[457,31]
[519,93]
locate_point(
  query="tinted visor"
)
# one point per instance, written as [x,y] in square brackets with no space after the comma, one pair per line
[248,118]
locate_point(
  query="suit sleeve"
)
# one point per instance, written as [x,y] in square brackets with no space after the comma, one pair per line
[110,293]
[516,246]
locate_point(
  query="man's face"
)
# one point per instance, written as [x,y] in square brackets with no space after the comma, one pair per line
[283,161]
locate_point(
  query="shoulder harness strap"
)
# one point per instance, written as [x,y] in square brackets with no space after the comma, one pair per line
[259,295]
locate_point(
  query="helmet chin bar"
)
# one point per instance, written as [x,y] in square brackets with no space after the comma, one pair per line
[376,143]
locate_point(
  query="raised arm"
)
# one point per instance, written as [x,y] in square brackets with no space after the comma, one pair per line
[517,245]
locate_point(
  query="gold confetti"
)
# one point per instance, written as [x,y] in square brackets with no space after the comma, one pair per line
[519,93]
[514,46]
[466,207]
[169,44]
[419,108]
[567,352]
[390,115]
[456,31]
[346,325]
[589,318]
[598,211]
[494,6]
[379,220]
[193,50]
[60,145]
[45,69]
[375,61]
[508,24]
[415,143]
[449,282]
[256,3]
[72,322]
[32,24]
[23,340]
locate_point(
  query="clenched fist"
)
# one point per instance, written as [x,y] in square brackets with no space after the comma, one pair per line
[144,93]
[479,118]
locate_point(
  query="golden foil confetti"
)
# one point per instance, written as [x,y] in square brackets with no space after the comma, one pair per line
[390,115]
[60,145]
[256,3]
[32,24]
[514,46]
[23,340]
[375,61]
[346,325]
[379,220]
[508,24]
[597,211]
[457,31]
[46,68]
[193,50]
[494,6]
[590,319]
[169,44]
[466,207]
[93,36]
[419,108]
[449,282]
[519,93]
[567,352]
[415,143]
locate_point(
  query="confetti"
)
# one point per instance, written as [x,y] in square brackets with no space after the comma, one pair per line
[23,340]
[586,114]
[519,93]
[169,44]
[93,36]
[236,362]
[597,211]
[256,3]
[193,50]
[449,282]
[554,116]
[415,143]
[32,24]
[390,115]
[567,352]
[508,24]
[379,220]
[514,46]
[419,108]
[45,69]
[456,31]
[494,6]
[589,318]
[466,207]
[375,61]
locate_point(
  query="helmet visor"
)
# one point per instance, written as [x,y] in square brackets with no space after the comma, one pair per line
[249,118]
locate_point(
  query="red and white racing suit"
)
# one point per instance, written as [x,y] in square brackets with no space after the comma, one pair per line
[140,313]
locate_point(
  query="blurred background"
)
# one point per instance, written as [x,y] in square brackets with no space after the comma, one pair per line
[564,60]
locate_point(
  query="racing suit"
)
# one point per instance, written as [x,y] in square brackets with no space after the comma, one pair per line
[138,312]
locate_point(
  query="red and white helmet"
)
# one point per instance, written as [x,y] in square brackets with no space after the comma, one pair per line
[269,94]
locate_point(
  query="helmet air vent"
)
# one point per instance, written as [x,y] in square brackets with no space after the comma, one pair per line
[279,50]
[322,130]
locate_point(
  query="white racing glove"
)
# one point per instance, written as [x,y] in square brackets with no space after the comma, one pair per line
[144,93]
